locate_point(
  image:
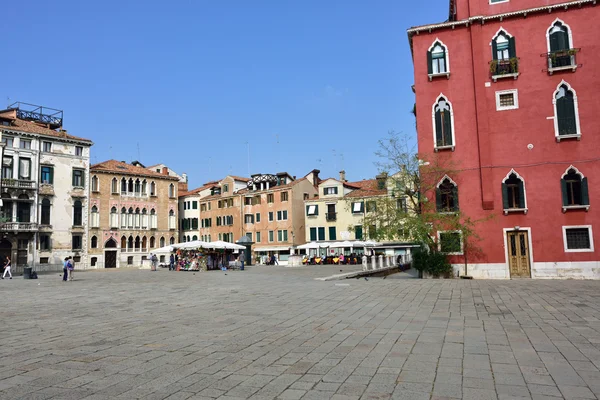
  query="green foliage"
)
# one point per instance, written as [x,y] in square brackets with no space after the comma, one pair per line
[432,262]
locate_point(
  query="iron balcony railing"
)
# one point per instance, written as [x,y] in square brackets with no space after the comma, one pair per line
[331,216]
[504,67]
[18,183]
[562,58]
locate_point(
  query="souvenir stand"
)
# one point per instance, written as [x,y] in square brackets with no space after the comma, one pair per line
[204,256]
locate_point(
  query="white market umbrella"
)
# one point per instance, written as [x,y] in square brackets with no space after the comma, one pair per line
[343,244]
[371,243]
[219,244]
[166,249]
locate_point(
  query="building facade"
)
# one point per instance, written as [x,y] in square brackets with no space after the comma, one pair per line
[501,93]
[45,177]
[133,210]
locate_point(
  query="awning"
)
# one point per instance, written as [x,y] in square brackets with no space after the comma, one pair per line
[272,248]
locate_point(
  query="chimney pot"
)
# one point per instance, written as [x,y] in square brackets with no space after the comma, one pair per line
[343,176]
[165,171]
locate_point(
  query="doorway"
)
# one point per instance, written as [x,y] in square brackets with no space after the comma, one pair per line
[518,254]
[110,259]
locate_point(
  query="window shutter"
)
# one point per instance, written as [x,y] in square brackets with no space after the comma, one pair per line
[358,232]
[313,234]
[521,195]
[429,63]
[563,189]
[505,196]
[317,209]
[585,197]
[438,128]
[494,50]
[455,197]
[562,39]
[447,129]
[306,210]
[332,235]
[554,42]
[512,49]
[438,199]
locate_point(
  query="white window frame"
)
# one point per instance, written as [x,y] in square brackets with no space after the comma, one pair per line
[492,2]
[590,233]
[571,45]
[462,243]
[447,73]
[435,147]
[555,117]
[517,210]
[515,93]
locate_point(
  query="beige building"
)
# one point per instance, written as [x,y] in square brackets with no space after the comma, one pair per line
[132,211]
[45,178]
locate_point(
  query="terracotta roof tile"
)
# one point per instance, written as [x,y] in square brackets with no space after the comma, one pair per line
[274,188]
[128,169]
[198,190]
[31,127]
[366,188]
[240,178]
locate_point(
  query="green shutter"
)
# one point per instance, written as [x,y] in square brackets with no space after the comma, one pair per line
[505,196]
[429,63]
[512,49]
[313,234]
[554,42]
[306,210]
[438,200]
[447,129]
[565,195]
[332,233]
[585,197]
[521,194]
[358,233]
[321,233]
[438,129]
[561,116]
[494,50]
[455,197]
[317,209]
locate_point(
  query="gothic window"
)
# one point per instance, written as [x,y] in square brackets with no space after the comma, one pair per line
[45,217]
[95,222]
[513,193]
[574,188]
[566,117]
[437,59]
[77,213]
[446,196]
[95,184]
[114,186]
[94,242]
[443,123]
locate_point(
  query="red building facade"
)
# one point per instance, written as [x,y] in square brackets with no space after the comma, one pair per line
[505,92]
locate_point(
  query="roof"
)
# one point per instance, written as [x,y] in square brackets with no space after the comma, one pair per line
[20,125]
[198,190]
[240,178]
[119,167]
[366,188]
[274,188]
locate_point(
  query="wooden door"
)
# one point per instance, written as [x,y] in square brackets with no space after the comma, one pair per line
[518,254]
[110,259]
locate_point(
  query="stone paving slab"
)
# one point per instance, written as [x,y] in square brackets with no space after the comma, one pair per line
[277,333]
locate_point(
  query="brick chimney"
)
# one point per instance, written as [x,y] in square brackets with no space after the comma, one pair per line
[381,180]
[165,171]
[343,176]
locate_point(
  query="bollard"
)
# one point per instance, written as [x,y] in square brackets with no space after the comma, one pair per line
[365,265]
[373,263]
[380,262]
[387,261]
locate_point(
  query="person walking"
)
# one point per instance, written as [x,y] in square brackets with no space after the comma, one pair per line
[172,263]
[7,268]
[71,267]
[154,261]
[65,269]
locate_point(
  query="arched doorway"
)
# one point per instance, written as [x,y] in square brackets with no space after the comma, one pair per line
[5,250]
[110,253]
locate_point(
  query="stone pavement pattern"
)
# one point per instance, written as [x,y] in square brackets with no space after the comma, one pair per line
[274,332]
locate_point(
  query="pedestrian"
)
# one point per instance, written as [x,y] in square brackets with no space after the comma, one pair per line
[7,268]
[172,262]
[65,270]
[154,261]
[274,260]
[71,267]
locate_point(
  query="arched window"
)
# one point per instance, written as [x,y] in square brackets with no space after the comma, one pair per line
[574,188]
[561,53]
[144,188]
[95,223]
[513,193]
[144,218]
[114,186]
[162,242]
[123,217]
[144,244]
[446,195]
[123,243]
[566,113]
[114,218]
[130,243]
[137,243]
[172,240]
[130,217]
[45,217]
[94,242]
[95,184]
[77,213]
[152,188]
[443,124]
[437,60]
[171,190]
[138,187]
[123,186]
[152,242]
[137,218]
[172,220]
[504,54]
[153,219]
[130,185]
[195,237]
[183,238]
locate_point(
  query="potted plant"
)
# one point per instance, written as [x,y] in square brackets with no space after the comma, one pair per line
[493,66]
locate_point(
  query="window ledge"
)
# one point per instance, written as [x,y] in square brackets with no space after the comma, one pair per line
[503,76]
[448,212]
[577,207]
[442,148]
[515,210]
[563,137]
[573,68]
[433,76]
[313,215]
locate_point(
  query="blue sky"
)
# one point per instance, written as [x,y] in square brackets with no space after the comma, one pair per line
[308,84]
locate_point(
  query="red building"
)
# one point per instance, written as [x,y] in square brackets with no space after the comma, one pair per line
[506,94]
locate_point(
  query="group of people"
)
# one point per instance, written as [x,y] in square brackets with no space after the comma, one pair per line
[352,259]
[68,268]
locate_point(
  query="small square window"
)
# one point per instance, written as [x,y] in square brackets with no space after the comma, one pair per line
[79,151]
[47,147]
[507,100]
[578,238]
[25,144]
[76,242]
[450,242]
[44,260]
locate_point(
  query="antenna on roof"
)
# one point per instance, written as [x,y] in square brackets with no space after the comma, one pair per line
[277,152]
[138,148]
[248,145]
[334,160]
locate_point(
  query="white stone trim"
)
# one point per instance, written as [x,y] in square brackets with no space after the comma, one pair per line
[512,171]
[443,179]
[447,52]
[515,93]
[566,270]
[462,243]
[590,233]
[529,243]
[576,171]
[498,33]
[493,3]
[575,106]
[436,148]
[552,26]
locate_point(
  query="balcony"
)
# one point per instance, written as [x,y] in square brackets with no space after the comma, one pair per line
[331,216]
[18,183]
[563,60]
[500,69]
[46,189]
[18,226]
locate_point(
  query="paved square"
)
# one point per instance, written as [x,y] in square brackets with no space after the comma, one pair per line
[275,332]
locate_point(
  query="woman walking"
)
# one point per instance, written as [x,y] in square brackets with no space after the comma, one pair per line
[7,268]
[71,267]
